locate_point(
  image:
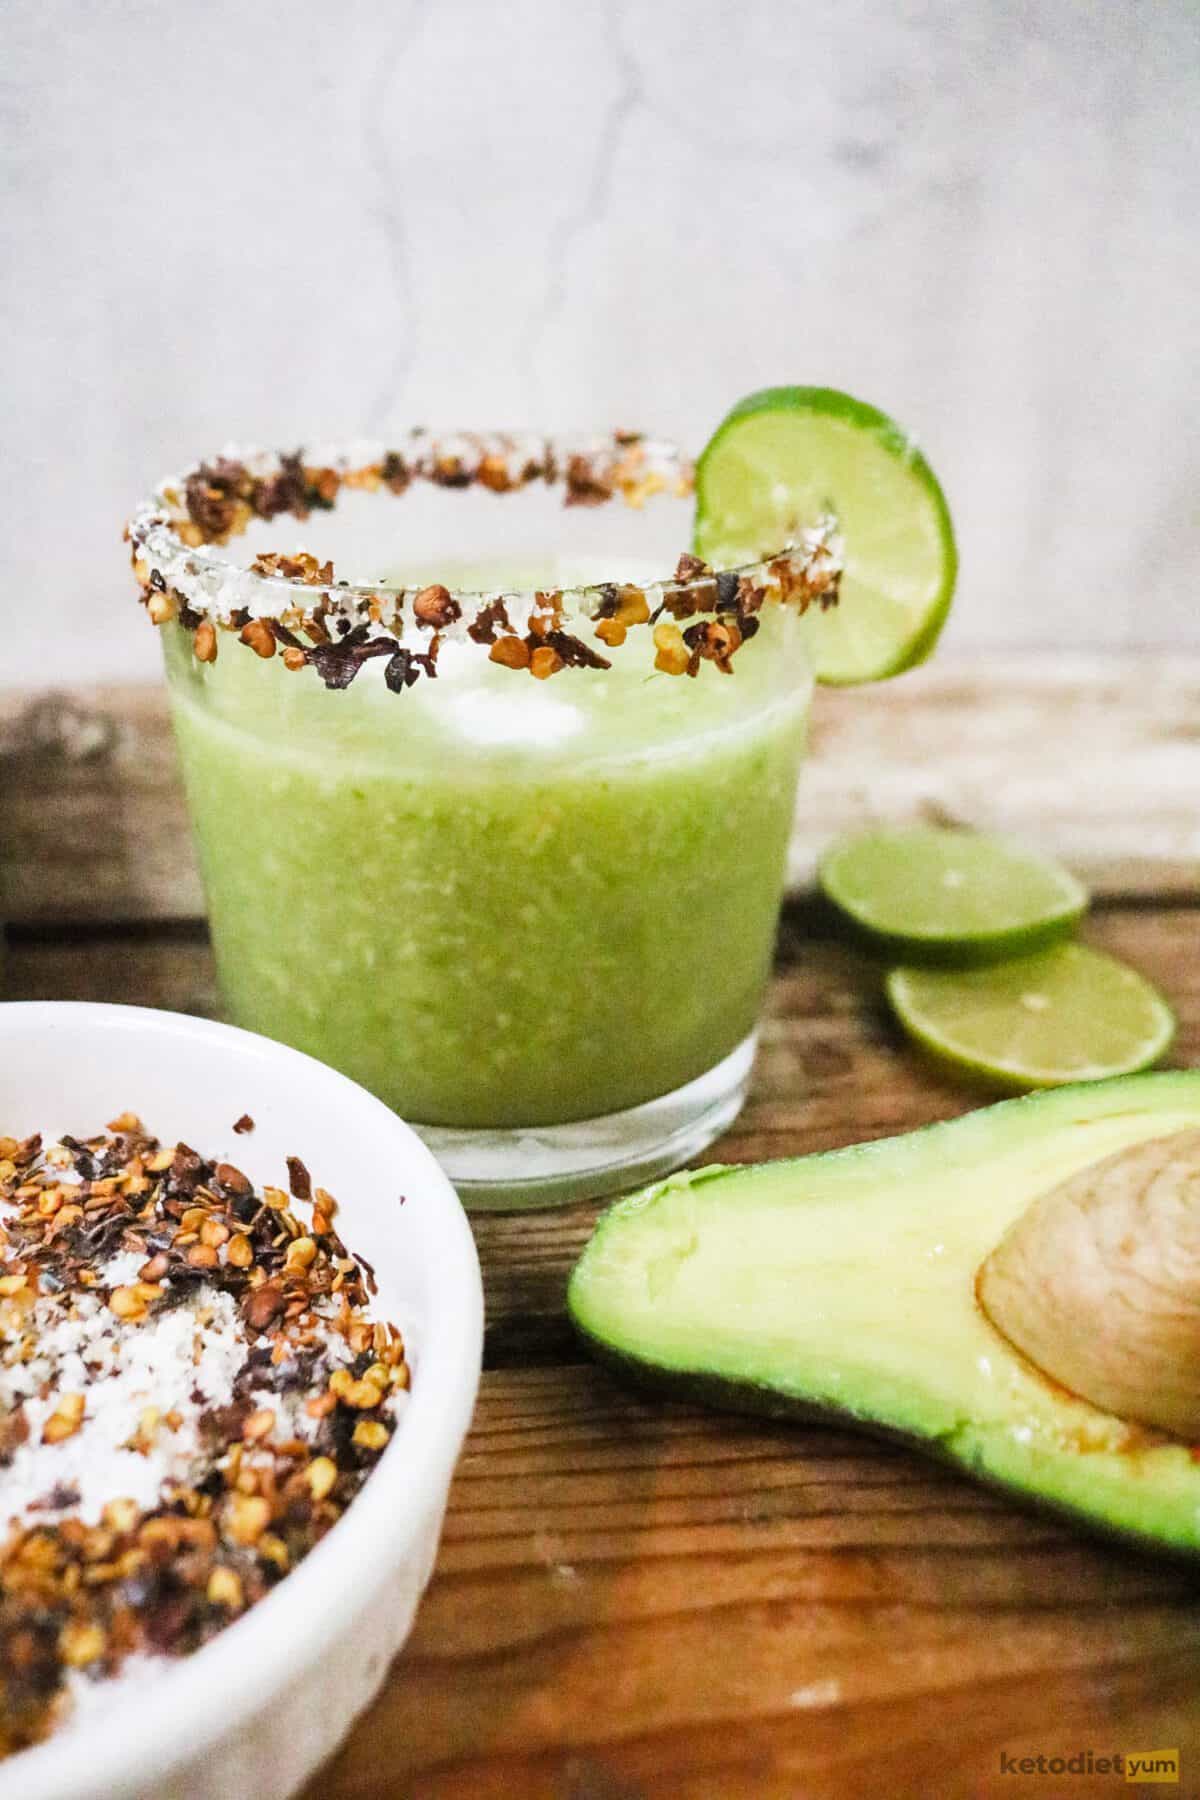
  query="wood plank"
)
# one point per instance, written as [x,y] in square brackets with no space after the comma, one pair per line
[168,966]
[1095,758]
[833,1068]
[93,825]
[638,1598]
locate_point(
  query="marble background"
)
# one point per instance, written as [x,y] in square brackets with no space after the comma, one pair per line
[271,220]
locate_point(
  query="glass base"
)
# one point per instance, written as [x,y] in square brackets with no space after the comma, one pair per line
[517,1169]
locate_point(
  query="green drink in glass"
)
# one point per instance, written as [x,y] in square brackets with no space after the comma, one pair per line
[503,836]
[494,910]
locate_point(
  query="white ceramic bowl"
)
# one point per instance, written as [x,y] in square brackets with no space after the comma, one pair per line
[257,1709]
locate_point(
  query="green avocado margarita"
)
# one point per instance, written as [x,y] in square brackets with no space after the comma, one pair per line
[509,850]
[495,908]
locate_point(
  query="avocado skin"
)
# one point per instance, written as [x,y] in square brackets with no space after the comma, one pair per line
[1173,1095]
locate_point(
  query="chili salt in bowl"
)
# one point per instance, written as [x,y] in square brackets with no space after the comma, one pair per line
[257,1709]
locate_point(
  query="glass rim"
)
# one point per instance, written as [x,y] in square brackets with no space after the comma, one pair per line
[176,538]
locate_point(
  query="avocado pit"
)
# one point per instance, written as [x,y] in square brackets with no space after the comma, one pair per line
[1098,1283]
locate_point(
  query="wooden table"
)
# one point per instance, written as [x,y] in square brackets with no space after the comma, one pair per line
[640,1599]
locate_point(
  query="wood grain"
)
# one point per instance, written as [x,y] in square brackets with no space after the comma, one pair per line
[635,1598]
[94,826]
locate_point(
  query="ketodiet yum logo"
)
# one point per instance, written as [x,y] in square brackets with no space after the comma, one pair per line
[1130,1765]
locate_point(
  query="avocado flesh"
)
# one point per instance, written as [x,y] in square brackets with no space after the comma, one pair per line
[844,1284]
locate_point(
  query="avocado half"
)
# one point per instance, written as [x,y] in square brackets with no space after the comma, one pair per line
[842,1286]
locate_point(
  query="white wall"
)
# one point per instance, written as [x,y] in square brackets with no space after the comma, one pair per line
[273,220]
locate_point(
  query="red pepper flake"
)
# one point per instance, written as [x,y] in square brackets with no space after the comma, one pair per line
[489,622]
[299,1179]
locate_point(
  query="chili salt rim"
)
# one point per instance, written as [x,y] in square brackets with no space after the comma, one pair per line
[279,601]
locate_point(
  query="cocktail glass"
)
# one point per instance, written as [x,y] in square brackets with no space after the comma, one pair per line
[517,871]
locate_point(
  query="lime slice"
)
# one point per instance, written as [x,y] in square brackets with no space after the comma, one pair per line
[788,455]
[933,895]
[1066,1014]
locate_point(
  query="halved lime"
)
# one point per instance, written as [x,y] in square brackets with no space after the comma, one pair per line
[1066,1014]
[934,895]
[788,455]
